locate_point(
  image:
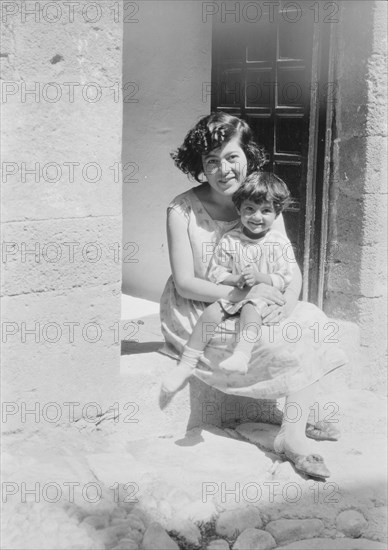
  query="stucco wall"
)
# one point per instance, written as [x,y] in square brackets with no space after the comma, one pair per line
[357,279]
[67,291]
[167,55]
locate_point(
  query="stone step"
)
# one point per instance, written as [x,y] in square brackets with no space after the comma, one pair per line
[132,307]
[195,405]
[142,368]
[352,375]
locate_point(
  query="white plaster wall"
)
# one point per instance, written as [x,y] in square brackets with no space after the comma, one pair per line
[168,55]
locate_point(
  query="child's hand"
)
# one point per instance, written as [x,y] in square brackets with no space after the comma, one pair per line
[240,283]
[249,276]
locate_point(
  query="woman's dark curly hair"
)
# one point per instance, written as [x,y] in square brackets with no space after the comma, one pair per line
[210,133]
[262,187]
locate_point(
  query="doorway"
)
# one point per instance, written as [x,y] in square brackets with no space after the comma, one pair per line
[273,68]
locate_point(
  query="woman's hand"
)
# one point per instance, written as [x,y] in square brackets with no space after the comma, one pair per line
[270,294]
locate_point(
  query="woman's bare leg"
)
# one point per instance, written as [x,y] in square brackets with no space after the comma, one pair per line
[291,439]
[295,416]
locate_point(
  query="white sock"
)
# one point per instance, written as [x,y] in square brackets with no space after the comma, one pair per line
[238,362]
[178,376]
[189,357]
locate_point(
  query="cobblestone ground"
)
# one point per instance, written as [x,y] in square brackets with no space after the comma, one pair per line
[85,486]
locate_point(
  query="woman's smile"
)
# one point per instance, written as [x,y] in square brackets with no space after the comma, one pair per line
[227,182]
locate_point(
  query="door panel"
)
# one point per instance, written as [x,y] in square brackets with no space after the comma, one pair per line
[266,72]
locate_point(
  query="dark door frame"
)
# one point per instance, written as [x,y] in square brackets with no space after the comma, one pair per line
[316,250]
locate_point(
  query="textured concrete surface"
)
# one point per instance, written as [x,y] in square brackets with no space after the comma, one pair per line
[210,477]
[132,308]
[61,261]
[357,276]
[100,481]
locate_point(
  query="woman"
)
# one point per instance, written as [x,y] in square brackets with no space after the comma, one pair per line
[218,153]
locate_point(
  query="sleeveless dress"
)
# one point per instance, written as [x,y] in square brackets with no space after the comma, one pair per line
[286,357]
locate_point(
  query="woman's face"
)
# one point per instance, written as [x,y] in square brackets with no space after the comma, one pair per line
[225,167]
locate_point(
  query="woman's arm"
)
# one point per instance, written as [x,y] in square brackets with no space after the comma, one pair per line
[194,288]
[182,266]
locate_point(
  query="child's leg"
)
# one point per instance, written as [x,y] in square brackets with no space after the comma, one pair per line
[205,327]
[201,335]
[250,321]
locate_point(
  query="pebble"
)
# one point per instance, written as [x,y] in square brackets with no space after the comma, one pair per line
[165,509]
[186,529]
[335,544]
[377,524]
[232,522]
[252,539]
[148,502]
[49,526]
[218,544]
[199,511]
[127,506]
[289,530]
[110,535]
[98,522]
[135,523]
[135,535]
[119,512]
[140,514]
[351,523]
[126,544]
[156,538]
[178,499]
[118,521]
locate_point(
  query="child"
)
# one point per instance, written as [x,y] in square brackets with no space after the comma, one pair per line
[250,254]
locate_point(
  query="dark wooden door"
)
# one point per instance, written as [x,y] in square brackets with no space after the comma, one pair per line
[271,70]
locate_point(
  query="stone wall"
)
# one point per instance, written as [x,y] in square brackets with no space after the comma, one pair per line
[61,230]
[357,276]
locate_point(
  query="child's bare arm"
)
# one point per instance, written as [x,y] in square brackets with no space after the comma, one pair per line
[234,280]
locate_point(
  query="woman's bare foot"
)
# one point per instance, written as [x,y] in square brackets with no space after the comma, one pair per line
[298,451]
[295,444]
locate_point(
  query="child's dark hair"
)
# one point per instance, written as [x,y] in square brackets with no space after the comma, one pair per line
[259,187]
[211,132]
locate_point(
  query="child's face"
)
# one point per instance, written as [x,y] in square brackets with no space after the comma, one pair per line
[257,218]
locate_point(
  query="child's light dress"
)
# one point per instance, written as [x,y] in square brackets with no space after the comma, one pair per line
[286,358]
[270,255]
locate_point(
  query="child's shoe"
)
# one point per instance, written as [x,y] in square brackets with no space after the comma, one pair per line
[174,380]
